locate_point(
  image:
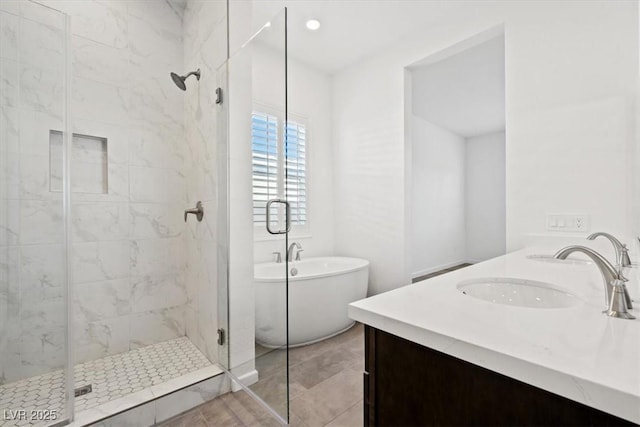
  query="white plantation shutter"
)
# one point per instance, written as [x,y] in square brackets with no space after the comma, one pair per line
[279,167]
[296,172]
[264,148]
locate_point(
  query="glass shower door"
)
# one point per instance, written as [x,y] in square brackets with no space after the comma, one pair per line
[259,217]
[35,384]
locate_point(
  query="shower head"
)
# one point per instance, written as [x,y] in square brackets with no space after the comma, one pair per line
[179,80]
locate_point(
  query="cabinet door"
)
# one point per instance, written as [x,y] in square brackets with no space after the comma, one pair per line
[411,385]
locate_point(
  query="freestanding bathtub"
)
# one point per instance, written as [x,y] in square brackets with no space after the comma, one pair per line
[319,292]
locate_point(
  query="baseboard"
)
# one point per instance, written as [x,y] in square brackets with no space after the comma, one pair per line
[439,268]
[247,379]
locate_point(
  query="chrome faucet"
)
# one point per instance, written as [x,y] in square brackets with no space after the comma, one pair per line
[622,252]
[292,246]
[616,295]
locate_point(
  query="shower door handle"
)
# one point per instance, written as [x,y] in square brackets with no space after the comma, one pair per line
[287,216]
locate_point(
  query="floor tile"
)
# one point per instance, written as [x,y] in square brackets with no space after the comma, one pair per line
[323,366]
[324,402]
[218,414]
[325,389]
[300,354]
[352,417]
[190,419]
[248,411]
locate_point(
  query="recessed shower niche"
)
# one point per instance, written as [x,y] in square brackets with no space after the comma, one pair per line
[89,158]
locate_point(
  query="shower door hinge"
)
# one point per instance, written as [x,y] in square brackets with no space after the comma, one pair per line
[219,95]
[221,337]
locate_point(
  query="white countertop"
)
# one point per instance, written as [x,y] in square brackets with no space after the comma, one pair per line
[576,352]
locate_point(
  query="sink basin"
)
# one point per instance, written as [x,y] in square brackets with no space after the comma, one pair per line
[550,258]
[518,292]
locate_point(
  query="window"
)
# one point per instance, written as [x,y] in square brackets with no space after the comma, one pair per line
[296,171]
[279,171]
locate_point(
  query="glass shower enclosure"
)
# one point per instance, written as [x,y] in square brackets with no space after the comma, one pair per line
[260,216]
[35,362]
[107,296]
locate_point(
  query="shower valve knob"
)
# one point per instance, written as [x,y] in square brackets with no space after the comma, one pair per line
[198,211]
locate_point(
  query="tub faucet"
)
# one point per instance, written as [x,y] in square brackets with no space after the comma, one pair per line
[622,252]
[616,294]
[292,246]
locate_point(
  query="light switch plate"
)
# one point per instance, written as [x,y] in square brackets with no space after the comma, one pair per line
[568,222]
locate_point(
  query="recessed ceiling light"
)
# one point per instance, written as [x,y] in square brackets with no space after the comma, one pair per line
[313,24]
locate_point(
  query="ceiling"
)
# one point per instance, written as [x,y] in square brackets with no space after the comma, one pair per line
[351,30]
[464,92]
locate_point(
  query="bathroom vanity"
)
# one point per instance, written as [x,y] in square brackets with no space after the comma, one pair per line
[436,355]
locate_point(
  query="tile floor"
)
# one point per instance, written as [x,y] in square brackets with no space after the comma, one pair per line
[326,389]
[111,378]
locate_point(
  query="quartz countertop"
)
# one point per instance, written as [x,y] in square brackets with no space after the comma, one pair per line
[575,352]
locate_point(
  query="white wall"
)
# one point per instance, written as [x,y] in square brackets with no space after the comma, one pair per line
[309,93]
[438,195]
[463,91]
[485,204]
[568,114]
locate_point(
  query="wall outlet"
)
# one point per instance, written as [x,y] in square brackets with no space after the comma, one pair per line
[568,222]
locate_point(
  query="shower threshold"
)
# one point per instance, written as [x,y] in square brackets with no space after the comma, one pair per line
[118,382]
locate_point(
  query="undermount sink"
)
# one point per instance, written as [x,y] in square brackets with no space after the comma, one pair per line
[518,292]
[550,258]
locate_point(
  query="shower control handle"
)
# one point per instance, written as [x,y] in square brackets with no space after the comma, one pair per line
[198,211]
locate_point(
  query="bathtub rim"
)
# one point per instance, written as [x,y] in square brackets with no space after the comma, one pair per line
[361,265]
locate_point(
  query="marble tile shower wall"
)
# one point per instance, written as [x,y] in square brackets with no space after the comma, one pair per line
[129,254]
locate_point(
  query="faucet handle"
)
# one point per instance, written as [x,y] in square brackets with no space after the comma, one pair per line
[621,280]
[277,257]
[298,254]
[618,306]
[620,275]
[624,256]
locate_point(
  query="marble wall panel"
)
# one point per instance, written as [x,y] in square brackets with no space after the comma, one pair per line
[42,46]
[9,39]
[98,261]
[100,62]
[157,325]
[98,221]
[156,220]
[42,89]
[101,338]
[9,82]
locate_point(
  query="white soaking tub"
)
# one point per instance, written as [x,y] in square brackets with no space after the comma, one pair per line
[319,292]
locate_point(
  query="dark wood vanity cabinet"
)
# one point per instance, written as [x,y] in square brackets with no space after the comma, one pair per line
[406,384]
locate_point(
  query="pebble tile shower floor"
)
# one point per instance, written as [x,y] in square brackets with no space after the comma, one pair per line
[111,377]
